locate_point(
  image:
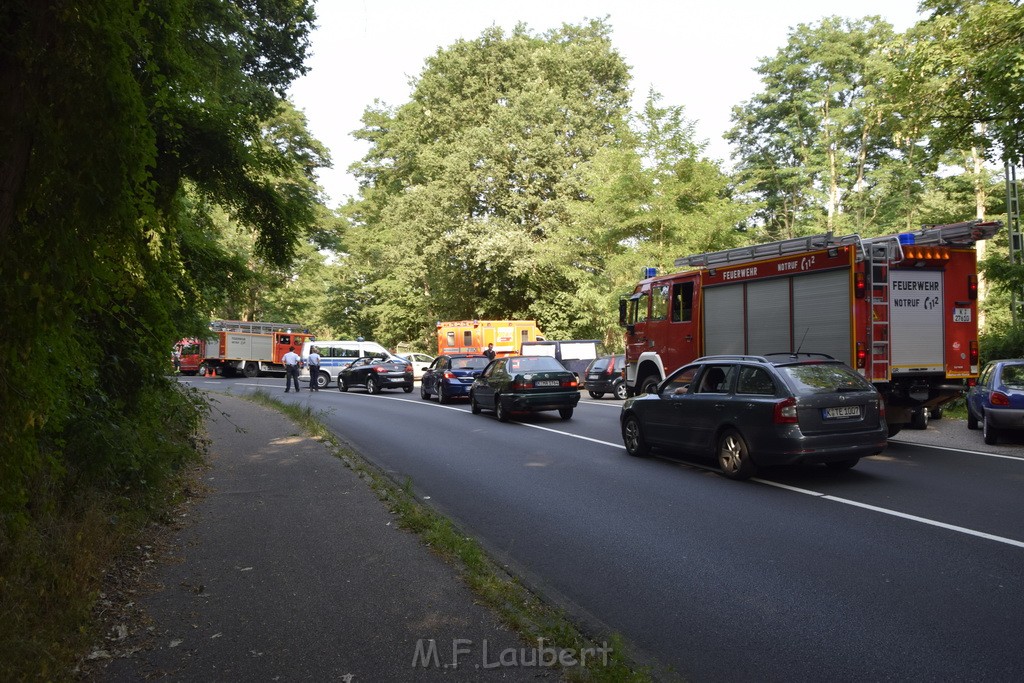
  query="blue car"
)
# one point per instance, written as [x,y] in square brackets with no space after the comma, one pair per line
[996,402]
[451,376]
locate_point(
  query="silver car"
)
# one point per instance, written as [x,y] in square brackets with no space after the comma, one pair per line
[754,411]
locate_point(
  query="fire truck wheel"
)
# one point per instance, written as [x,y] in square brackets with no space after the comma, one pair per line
[733,456]
[251,370]
[989,433]
[919,420]
[649,385]
[500,411]
[372,387]
[203,370]
[633,438]
[424,394]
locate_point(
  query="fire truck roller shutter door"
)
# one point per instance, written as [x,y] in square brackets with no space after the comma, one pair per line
[821,310]
[723,320]
[769,328]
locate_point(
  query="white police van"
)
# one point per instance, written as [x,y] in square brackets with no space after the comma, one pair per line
[335,355]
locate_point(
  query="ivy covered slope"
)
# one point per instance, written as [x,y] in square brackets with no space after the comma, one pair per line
[127,132]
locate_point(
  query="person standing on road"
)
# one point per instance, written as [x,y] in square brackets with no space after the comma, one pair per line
[313,363]
[291,369]
[176,359]
[490,352]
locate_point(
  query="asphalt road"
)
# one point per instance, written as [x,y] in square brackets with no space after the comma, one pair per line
[908,567]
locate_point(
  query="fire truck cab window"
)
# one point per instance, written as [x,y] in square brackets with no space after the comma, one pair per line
[638,308]
[451,338]
[682,302]
[659,303]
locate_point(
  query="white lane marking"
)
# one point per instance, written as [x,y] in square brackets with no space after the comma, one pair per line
[787,487]
[894,513]
[959,450]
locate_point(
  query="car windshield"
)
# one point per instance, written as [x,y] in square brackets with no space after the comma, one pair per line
[823,378]
[1013,376]
[470,363]
[534,364]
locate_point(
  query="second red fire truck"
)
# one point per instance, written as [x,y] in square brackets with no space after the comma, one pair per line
[901,309]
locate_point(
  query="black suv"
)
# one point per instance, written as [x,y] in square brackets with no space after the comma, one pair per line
[751,411]
[604,376]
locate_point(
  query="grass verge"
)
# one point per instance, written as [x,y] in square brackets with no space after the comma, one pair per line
[520,608]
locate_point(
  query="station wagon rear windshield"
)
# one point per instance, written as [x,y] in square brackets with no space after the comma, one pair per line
[470,363]
[823,378]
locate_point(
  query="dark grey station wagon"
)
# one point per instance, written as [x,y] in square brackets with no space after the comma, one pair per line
[752,411]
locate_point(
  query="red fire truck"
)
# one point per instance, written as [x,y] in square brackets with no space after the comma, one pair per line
[239,347]
[190,355]
[901,309]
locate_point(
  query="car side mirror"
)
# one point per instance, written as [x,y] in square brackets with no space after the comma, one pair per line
[477,374]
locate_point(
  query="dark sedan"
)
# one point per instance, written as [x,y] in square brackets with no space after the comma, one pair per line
[522,384]
[604,376]
[752,411]
[451,376]
[997,400]
[376,374]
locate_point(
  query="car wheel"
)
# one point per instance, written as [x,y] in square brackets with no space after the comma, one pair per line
[733,456]
[595,394]
[649,385]
[565,413]
[989,433]
[500,411]
[633,438]
[474,407]
[847,464]
[935,414]
[441,398]
[372,387]
[407,388]
[342,384]
[620,391]
[972,422]
[424,394]
[322,380]
[894,429]
[919,420]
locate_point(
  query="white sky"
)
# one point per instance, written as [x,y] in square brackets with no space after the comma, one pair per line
[699,55]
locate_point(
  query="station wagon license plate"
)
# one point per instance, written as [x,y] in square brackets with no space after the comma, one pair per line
[546,383]
[841,413]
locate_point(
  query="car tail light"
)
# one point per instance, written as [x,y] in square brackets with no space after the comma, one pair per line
[380,368]
[448,374]
[973,351]
[518,384]
[881,408]
[570,383]
[785,412]
[408,368]
[998,398]
[862,355]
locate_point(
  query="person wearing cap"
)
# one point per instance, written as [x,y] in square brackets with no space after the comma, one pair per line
[313,363]
[291,369]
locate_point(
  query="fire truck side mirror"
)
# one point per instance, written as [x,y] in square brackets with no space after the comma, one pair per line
[623,303]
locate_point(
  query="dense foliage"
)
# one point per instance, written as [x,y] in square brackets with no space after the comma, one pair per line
[130,133]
